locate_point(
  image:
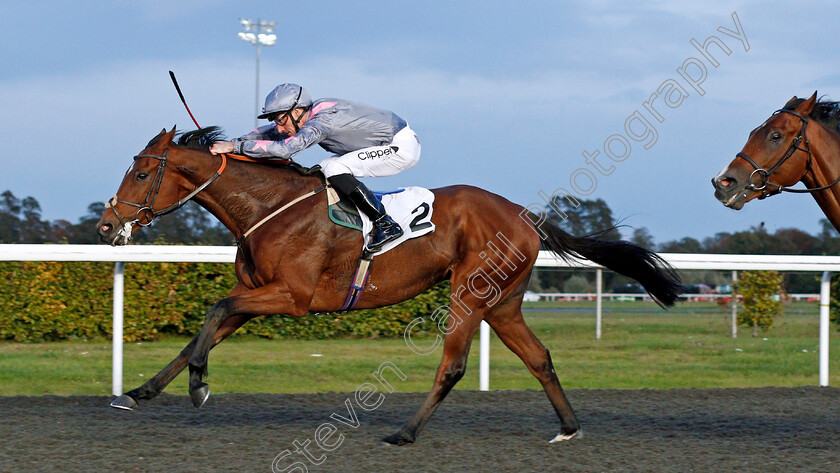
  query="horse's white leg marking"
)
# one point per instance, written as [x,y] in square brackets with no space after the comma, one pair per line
[562,437]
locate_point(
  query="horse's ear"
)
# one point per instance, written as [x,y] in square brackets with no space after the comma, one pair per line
[158,136]
[806,107]
[790,103]
[167,136]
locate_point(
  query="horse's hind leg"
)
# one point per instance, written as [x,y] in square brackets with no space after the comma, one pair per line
[156,384]
[509,325]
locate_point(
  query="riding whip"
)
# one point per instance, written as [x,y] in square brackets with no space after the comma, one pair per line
[175,81]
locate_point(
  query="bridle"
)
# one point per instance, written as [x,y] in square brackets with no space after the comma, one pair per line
[146,212]
[764,174]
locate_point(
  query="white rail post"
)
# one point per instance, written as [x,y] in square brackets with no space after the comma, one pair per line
[734,305]
[825,300]
[484,357]
[117,355]
[599,281]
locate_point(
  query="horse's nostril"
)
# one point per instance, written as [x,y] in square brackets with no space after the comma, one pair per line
[723,182]
[106,228]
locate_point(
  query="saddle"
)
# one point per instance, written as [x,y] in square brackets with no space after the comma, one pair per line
[411,207]
[343,212]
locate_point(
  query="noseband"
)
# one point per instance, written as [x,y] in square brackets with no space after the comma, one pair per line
[146,210]
[764,174]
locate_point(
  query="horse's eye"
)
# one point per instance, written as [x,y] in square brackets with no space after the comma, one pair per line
[142,176]
[775,137]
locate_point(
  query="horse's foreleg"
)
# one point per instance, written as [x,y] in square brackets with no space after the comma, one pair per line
[509,325]
[156,384]
[272,299]
[452,367]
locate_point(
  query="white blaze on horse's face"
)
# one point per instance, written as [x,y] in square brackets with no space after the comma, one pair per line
[724,180]
[722,173]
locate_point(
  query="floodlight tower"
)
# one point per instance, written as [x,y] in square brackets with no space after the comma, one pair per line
[259,33]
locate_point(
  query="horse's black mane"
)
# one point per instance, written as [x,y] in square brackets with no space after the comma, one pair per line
[200,139]
[825,112]
[203,138]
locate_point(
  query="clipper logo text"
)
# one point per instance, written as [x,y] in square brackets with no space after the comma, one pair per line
[377,153]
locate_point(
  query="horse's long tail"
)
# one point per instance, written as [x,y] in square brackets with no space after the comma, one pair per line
[649,269]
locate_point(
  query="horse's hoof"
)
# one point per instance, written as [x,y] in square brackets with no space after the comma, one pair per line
[200,394]
[561,436]
[124,402]
[398,439]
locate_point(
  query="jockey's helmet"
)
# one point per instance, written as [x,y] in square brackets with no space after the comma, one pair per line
[285,98]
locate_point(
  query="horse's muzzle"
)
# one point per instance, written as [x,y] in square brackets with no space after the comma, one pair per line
[111,234]
[729,191]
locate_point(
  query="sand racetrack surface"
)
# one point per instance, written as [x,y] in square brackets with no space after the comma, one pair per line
[703,430]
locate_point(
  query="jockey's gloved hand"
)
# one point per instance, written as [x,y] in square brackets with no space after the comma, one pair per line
[221,147]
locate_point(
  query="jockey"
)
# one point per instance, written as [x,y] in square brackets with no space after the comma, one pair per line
[365,142]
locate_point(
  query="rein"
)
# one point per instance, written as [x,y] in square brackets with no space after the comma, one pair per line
[146,209]
[764,174]
[146,214]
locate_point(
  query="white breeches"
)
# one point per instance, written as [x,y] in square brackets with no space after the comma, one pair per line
[377,161]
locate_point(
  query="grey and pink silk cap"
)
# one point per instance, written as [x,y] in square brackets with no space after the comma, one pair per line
[285,97]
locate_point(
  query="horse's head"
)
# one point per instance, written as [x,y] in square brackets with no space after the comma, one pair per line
[776,155]
[146,192]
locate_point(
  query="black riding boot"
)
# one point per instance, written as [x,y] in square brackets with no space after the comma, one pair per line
[385,229]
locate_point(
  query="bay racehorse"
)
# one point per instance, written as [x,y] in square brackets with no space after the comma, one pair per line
[799,142]
[300,262]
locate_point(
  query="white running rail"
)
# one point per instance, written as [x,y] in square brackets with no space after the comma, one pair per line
[226,254]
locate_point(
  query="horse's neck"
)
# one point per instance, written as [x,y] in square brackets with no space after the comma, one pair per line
[247,192]
[826,170]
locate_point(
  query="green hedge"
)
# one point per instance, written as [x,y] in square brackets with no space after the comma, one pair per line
[42,301]
[759,308]
[834,293]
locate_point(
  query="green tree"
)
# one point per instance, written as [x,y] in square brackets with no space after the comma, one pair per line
[686,245]
[829,239]
[585,218]
[9,218]
[578,284]
[20,222]
[83,232]
[642,237]
[32,228]
[579,217]
[759,306]
[799,242]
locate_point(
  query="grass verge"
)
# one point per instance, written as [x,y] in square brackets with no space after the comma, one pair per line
[642,346]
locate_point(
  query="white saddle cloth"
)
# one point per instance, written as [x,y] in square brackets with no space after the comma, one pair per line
[411,208]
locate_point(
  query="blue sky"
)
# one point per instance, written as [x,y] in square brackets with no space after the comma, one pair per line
[505,97]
